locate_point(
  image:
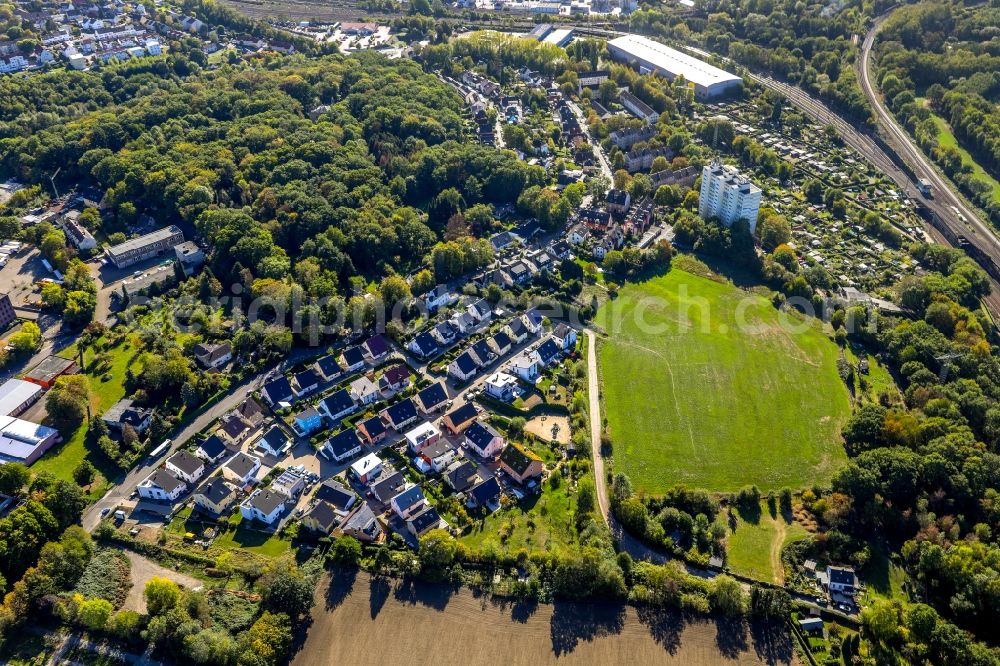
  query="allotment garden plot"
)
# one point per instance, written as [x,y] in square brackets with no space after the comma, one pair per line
[692,397]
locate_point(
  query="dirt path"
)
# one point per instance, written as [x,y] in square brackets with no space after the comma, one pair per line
[143,569]
[358,619]
[594,393]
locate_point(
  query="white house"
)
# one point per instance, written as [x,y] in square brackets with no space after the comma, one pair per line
[439,296]
[367,469]
[422,436]
[501,386]
[408,502]
[264,505]
[241,468]
[186,466]
[526,366]
[464,367]
[162,486]
[564,336]
[289,484]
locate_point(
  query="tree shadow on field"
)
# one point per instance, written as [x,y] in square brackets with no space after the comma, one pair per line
[750,512]
[379,590]
[772,642]
[665,626]
[341,585]
[431,595]
[573,622]
[731,636]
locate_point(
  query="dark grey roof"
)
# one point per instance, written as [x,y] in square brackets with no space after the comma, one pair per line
[617,197]
[486,492]
[324,515]
[436,449]
[501,340]
[433,396]
[426,343]
[548,350]
[377,345]
[241,464]
[841,576]
[275,438]
[426,519]
[363,520]
[344,442]
[186,462]
[353,356]
[462,414]
[462,475]
[306,378]
[401,412]
[517,327]
[482,350]
[338,402]
[278,390]
[480,435]
[267,501]
[166,480]
[465,363]
[387,487]
[329,366]
[213,447]
[216,490]
[373,426]
[409,497]
[336,494]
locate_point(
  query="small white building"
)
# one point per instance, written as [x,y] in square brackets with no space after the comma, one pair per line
[264,505]
[422,436]
[186,466]
[162,486]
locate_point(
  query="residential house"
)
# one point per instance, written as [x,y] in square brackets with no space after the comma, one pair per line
[276,442]
[126,413]
[484,440]
[353,359]
[372,430]
[289,483]
[264,505]
[565,336]
[400,415]
[363,525]
[533,320]
[395,378]
[464,367]
[432,398]
[526,367]
[308,421]
[242,469]
[337,405]
[480,310]
[457,420]
[186,466]
[423,345]
[548,352]
[439,296]
[560,249]
[306,382]
[343,446]
[336,494]
[436,457]
[251,411]
[376,348]
[501,386]
[482,353]
[517,330]
[328,368]
[215,497]
[485,495]
[321,518]
[213,356]
[278,391]
[233,429]
[408,502]
[364,391]
[424,521]
[578,234]
[162,486]
[596,221]
[212,450]
[638,108]
[367,469]
[500,343]
[444,333]
[462,323]
[390,486]
[618,201]
[461,475]
[841,579]
[423,435]
[522,465]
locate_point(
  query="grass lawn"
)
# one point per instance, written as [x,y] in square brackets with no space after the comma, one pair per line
[242,538]
[106,389]
[703,385]
[884,579]
[946,138]
[753,547]
[539,523]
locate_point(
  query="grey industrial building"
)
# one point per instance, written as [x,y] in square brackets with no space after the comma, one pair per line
[707,80]
[138,249]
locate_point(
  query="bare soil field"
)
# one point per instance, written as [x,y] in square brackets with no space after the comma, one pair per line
[541,426]
[358,619]
[143,570]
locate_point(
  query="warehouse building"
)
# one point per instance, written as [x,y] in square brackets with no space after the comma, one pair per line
[24,441]
[559,37]
[707,80]
[16,395]
[152,244]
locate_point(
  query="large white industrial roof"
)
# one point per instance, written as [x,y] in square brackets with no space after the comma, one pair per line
[16,392]
[673,61]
